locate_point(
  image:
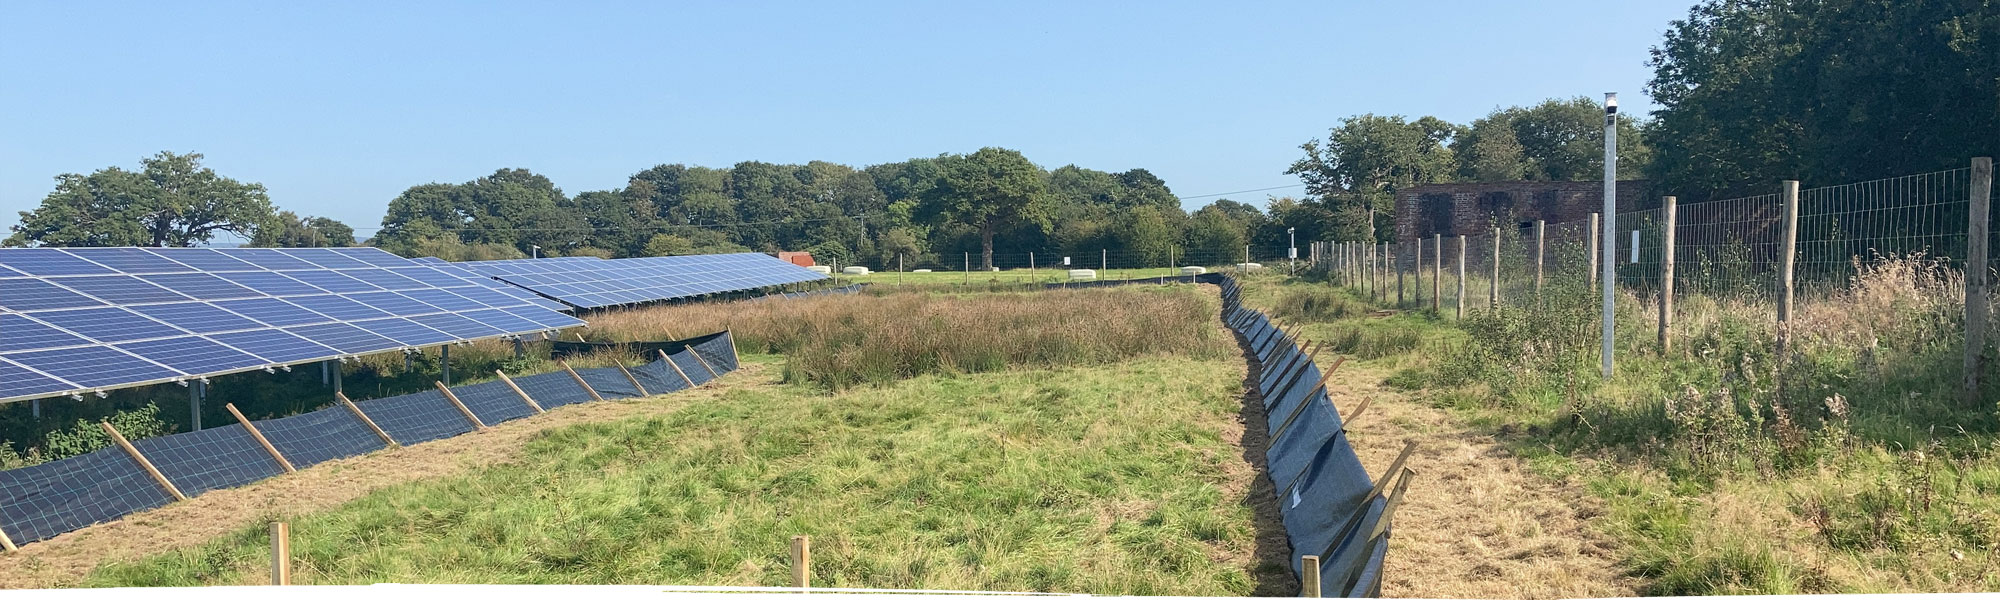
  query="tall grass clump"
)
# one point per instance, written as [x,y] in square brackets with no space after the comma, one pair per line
[1317,303]
[844,341]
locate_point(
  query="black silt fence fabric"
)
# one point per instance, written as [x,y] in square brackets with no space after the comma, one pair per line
[693,369]
[416,418]
[562,349]
[493,402]
[552,389]
[658,377]
[845,289]
[210,459]
[609,382]
[319,436]
[49,499]
[718,352]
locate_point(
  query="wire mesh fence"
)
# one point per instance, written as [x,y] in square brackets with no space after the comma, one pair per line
[45,500]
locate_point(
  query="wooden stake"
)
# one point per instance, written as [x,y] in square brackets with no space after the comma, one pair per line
[391,442]
[733,356]
[7,542]
[712,375]
[580,381]
[448,395]
[141,459]
[1309,576]
[281,553]
[801,561]
[259,436]
[633,379]
[1349,419]
[1980,208]
[523,393]
[1301,408]
[1395,499]
[677,369]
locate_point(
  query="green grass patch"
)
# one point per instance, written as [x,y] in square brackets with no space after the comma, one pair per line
[1105,480]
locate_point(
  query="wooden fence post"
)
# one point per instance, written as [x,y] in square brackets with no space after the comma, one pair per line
[1592,247]
[1668,207]
[259,436]
[1976,299]
[1461,276]
[1788,250]
[386,440]
[677,369]
[462,409]
[518,391]
[141,459]
[1493,294]
[1309,576]
[801,561]
[635,379]
[1541,250]
[579,380]
[281,553]
[1437,272]
[1398,265]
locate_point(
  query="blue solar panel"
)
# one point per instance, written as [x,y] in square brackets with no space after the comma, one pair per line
[405,332]
[50,261]
[197,317]
[92,366]
[274,312]
[274,346]
[601,283]
[192,354]
[203,259]
[332,281]
[271,284]
[393,303]
[338,307]
[348,339]
[17,381]
[200,286]
[26,334]
[129,260]
[33,294]
[107,324]
[120,289]
[192,312]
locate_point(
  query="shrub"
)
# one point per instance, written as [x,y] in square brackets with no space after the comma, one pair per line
[1318,303]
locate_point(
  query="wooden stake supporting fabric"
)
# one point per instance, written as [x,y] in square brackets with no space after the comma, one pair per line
[462,409]
[517,390]
[391,442]
[1295,377]
[1301,408]
[635,380]
[733,356]
[281,553]
[712,375]
[1395,499]
[1309,576]
[1349,419]
[579,380]
[141,459]
[801,561]
[677,369]
[7,543]
[259,436]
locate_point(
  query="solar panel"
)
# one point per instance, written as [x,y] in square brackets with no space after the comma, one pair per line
[595,283]
[80,320]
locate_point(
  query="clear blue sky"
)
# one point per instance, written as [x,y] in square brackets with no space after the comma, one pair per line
[337,107]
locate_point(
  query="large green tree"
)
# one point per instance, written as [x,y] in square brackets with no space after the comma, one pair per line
[171,201]
[989,190]
[1826,91]
[1356,171]
[1556,140]
[289,230]
[511,207]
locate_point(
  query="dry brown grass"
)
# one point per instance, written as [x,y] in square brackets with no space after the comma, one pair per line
[842,341]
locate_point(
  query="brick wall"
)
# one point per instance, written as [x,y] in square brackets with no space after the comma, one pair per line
[1473,208]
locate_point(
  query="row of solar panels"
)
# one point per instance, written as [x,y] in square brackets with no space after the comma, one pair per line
[585,283]
[79,320]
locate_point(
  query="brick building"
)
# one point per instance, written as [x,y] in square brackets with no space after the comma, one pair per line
[1474,208]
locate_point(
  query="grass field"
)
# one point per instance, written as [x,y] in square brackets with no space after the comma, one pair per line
[1867,476]
[1101,480]
[1123,475]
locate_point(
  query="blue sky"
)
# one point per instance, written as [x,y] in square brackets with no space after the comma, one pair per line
[337,107]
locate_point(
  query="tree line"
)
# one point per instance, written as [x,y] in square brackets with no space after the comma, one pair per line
[1750,92]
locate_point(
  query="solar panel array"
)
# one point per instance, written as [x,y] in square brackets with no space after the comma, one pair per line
[584,282]
[76,320]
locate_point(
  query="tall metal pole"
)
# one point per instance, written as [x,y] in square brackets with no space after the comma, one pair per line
[1609,263]
[444,361]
